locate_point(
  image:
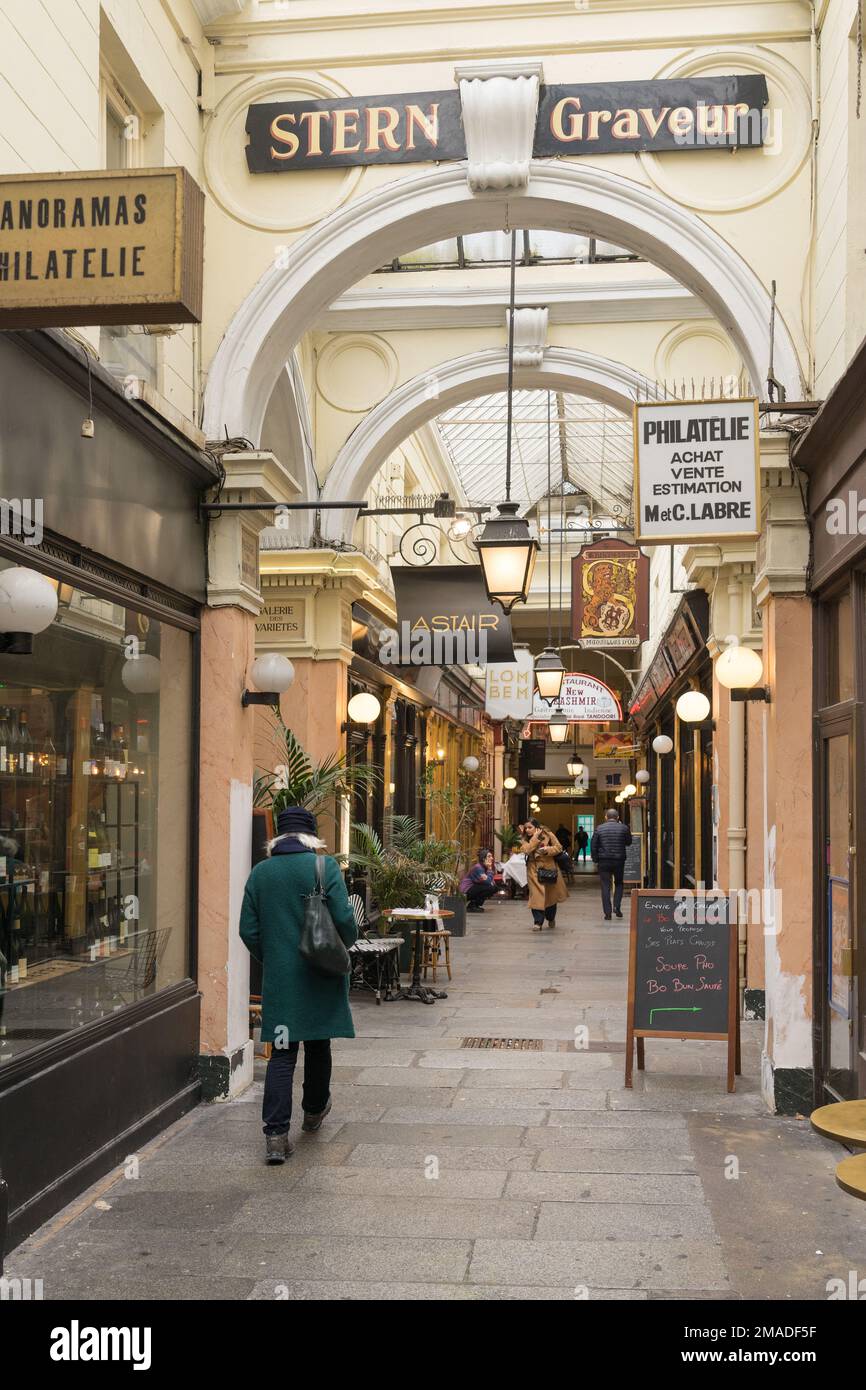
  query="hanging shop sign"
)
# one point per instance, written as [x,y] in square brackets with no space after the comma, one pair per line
[444,618]
[509,687]
[682,972]
[697,471]
[610,595]
[592,118]
[115,246]
[613,745]
[581,698]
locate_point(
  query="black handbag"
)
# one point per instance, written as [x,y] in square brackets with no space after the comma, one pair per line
[321,945]
[547,874]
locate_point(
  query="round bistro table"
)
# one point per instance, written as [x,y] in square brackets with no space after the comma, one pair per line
[416,990]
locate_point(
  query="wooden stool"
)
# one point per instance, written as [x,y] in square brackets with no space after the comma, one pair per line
[433,940]
[851,1175]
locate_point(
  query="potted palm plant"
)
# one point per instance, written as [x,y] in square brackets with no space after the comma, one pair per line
[297,781]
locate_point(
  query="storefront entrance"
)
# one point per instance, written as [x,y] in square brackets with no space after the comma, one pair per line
[843,1040]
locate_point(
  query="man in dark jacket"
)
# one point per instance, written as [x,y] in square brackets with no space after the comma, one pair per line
[609,844]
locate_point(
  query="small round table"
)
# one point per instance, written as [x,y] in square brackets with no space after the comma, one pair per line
[417,990]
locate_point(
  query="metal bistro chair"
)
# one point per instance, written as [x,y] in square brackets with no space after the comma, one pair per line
[374,959]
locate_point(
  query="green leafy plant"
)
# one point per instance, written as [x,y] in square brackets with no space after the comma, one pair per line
[396,879]
[298,781]
[509,839]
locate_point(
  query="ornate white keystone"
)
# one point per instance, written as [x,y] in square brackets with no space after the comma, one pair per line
[530,336]
[500,106]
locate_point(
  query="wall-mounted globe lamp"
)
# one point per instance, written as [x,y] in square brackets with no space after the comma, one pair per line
[28,605]
[630,790]
[271,674]
[460,527]
[692,707]
[363,708]
[558,726]
[662,744]
[642,777]
[471,764]
[740,670]
[141,674]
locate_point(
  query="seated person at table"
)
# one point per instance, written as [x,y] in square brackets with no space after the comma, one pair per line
[478,884]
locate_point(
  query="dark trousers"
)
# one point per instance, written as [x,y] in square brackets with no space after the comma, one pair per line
[478,894]
[581,852]
[277,1103]
[539,914]
[606,872]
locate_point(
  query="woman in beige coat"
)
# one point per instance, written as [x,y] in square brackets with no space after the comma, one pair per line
[542,847]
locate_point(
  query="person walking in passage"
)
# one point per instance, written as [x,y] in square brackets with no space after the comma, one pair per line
[547,887]
[480,883]
[609,844]
[581,844]
[298,1003]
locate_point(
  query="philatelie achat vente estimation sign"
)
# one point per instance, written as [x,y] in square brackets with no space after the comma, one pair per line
[697,471]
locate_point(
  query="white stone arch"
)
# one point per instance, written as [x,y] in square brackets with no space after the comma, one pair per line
[571,196]
[420,399]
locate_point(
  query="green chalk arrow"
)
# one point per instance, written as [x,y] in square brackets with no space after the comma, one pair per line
[673,1010]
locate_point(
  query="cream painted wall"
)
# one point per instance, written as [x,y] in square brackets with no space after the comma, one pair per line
[51,115]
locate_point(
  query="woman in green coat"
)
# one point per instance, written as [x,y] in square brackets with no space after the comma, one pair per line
[298,1004]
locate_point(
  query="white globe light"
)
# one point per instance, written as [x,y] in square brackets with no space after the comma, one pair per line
[460,527]
[363,708]
[642,776]
[141,674]
[630,790]
[692,707]
[662,744]
[272,672]
[510,783]
[28,601]
[471,764]
[739,668]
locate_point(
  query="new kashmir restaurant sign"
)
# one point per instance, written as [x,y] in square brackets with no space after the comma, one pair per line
[593,118]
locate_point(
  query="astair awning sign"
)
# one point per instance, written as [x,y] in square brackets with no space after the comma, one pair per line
[696,471]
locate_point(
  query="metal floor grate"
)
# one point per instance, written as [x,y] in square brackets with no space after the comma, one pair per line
[515,1044]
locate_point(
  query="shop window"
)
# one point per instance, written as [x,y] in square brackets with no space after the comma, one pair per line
[95,777]
[841,677]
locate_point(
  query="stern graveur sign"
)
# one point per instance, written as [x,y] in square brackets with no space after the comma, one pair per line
[116,246]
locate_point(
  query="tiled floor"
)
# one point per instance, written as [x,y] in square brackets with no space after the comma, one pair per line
[445,1172]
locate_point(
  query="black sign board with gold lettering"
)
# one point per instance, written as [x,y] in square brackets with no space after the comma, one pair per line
[445,618]
[421,127]
[682,972]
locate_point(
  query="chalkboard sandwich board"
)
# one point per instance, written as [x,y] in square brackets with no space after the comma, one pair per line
[682,972]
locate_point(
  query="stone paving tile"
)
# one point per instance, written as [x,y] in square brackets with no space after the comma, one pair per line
[282,1257]
[621,1221]
[629,1119]
[499,1097]
[651,1264]
[408,1182]
[350,1105]
[408,1077]
[131,1209]
[494,1059]
[324,1214]
[646,1188]
[516,1078]
[451,1155]
[98,1286]
[520,1117]
[599,1137]
[577,1158]
[469,1293]
[440,1131]
[358,1053]
[690,1103]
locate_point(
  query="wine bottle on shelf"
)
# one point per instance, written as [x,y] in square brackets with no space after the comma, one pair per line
[27,756]
[4,741]
[14,755]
